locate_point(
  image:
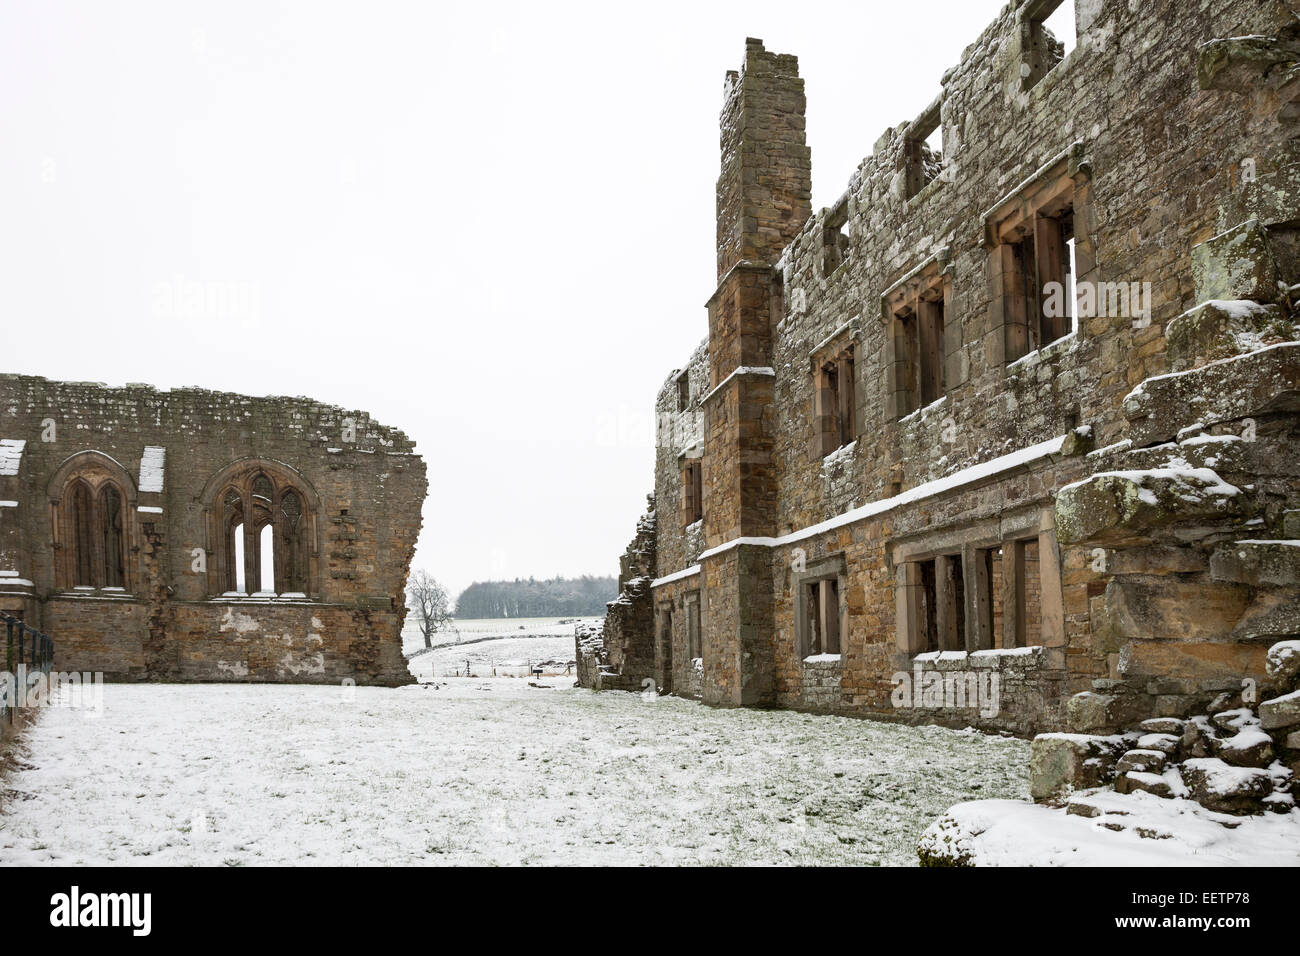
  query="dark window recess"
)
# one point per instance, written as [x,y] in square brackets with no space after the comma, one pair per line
[692,492]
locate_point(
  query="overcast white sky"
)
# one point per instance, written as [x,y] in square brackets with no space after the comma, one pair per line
[488,225]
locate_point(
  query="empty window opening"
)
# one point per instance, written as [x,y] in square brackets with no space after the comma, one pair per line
[983,597]
[923,151]
[1060,24]
[929,355]
[1042,283]
[1049,36]
[238,569]
[821,617]
[683,391]
[835,403]
[692,491]
[835,242]
[266,560]
[907,349]
[1071,270]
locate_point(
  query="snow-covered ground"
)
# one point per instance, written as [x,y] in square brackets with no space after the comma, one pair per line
[1136,829]
[479,771]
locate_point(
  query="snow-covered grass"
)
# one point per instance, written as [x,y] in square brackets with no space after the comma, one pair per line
[479,771]
[502,657]
[476,629]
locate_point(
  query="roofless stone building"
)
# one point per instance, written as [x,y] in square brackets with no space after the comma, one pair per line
[203,536]
[1024,401]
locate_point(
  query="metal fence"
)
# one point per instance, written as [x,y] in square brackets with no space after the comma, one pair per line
[24,645]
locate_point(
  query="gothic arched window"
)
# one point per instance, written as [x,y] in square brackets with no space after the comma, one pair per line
[263,521]
[91,503]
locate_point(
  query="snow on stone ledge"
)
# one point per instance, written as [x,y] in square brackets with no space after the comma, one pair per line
[990,657]
[973,473]
[822,659]
[1154,831]
[11,455]
[151,468]
[838,455]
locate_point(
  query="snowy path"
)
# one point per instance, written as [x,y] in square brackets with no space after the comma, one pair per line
[479,771]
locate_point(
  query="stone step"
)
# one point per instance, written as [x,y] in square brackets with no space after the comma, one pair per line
[1260,563]
[1227,390]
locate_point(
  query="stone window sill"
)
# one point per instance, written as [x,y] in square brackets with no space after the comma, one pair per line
[263,597]
[989,657]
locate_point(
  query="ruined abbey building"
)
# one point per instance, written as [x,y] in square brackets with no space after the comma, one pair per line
[193,535]
[1024,401]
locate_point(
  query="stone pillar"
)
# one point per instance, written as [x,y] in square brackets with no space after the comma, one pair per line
[908,596]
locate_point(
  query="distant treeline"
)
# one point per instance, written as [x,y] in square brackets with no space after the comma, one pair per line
[559,597]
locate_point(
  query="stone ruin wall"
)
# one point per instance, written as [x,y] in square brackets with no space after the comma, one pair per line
[171,622]
[1180,146]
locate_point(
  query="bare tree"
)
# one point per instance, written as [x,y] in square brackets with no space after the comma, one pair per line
[427,600]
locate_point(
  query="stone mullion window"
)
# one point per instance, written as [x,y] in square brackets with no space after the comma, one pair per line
[1034,251]
[921,340]
[987,595]
[91,504]
[819,609]
[250,506]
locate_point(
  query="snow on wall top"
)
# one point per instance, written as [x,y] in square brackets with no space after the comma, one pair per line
[151,468]
[11,455]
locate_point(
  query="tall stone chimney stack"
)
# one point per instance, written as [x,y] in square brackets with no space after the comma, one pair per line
[765,186]
[764,199]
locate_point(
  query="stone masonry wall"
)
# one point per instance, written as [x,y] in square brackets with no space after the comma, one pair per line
[1172,126]
[171,621]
